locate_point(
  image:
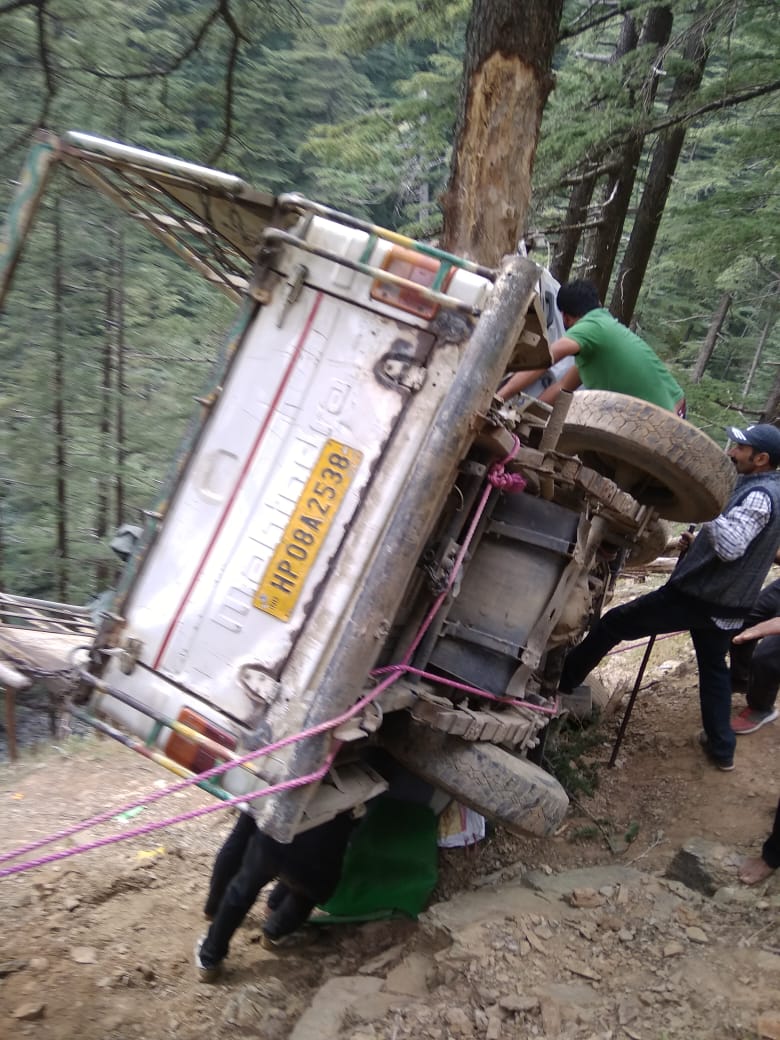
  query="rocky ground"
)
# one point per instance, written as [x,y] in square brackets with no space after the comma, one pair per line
[630,923]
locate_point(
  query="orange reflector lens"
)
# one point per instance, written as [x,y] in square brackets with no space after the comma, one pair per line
[193,756]
[415,267]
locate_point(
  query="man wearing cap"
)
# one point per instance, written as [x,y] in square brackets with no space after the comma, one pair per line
[711,590]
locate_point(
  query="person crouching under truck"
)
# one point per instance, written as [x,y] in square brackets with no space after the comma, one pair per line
[308,870]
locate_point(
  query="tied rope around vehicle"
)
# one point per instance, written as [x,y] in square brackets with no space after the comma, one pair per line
[497,477]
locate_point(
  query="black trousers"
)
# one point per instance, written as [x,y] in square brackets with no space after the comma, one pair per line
[755,666]
[309,869]
[240,871]
[771,850]
[667,610]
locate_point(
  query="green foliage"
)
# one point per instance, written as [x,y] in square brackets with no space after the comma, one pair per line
[367,23]
[392,163]
[568,754]
[352,102]
[719,228]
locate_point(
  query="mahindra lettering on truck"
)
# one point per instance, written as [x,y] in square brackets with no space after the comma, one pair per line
[359,545]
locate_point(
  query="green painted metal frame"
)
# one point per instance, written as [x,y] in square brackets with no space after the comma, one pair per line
[24,205]
[160,722]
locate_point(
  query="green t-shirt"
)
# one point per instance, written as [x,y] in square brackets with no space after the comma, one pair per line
[612,357]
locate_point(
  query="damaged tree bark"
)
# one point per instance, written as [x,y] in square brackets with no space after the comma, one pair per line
[507,78]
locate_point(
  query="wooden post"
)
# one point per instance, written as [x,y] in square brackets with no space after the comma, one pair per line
[12,681]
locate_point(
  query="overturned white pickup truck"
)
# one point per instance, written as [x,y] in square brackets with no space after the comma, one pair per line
[358,544]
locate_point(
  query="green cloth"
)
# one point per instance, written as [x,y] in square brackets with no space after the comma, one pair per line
[612,357]
[391,863]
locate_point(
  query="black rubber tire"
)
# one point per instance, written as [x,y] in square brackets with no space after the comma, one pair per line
[504,787]
[661,460]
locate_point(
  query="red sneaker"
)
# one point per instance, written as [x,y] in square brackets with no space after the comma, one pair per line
[748,720]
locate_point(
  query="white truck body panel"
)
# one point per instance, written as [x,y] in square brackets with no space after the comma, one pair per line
[303,376]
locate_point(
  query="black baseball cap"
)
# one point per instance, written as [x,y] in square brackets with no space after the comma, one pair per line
[761,436]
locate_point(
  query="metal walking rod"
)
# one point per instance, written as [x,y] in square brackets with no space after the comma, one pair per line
[639,676]
[631,699]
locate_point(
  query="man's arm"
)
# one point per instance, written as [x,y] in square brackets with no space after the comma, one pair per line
[564,347]
[731,533]
[570,381]
[561,348]
[770,627]
[519,381]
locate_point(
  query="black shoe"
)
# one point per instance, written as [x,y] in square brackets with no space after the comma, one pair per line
[724,764]
[207,972]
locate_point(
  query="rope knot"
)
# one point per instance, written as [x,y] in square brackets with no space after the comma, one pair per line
[498,476]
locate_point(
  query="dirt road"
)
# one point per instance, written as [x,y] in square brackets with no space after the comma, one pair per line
[581,937]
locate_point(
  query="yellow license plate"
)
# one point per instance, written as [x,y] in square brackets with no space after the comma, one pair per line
[307,529]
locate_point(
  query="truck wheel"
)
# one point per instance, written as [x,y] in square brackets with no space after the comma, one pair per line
[661,460]
[504,787]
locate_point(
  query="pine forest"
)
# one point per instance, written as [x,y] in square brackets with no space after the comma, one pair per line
[644,154]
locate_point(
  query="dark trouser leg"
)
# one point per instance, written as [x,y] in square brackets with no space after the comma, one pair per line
[278,893]
[764,674]
[711,645]
[228,861]
[766,606]
[771,850]
[660,611]
[239,897]
[290,914]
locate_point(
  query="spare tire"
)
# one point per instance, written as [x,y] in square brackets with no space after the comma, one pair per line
[506,788]
[658,458]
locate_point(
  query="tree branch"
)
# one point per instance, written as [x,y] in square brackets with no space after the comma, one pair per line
[235,42]
[43,51]
[610,166]
[13,5]
[44,54]
[605,59]
[574,29]
[172,66]
[737,408]
[588,225]
[714,106]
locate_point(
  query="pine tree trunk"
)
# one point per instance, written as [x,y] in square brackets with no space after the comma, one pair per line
[757,356]
[506,80]
[2,538]
[119,421]
[771,411]
[659,181]
[576,216]
[708,346]
[60,432]
[102,573]
[619,188]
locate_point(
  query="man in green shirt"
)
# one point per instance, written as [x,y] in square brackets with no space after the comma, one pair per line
[607,355]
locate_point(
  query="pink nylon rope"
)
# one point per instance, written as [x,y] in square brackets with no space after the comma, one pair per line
[497,478]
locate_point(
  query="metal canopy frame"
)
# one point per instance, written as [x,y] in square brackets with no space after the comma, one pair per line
[213,220]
